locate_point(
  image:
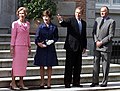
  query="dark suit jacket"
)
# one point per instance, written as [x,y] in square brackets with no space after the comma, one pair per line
[104,34]
[74,40]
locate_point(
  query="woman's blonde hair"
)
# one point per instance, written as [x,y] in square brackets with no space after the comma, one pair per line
[20,9]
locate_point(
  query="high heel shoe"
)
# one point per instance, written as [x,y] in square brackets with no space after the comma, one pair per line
[42,87]
[13,88]
[22,87]
[48,86]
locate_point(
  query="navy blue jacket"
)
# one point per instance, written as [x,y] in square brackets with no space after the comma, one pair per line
[46,56]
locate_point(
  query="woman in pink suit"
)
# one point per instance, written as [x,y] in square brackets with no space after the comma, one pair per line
[19,47]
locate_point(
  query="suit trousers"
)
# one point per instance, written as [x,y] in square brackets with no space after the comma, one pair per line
[73,65]
[105,57]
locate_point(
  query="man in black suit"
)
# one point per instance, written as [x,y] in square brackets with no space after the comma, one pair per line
[75,45]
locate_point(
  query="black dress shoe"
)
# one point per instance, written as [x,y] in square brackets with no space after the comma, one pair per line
[103,85]
[42,87]
[77,85]
[67,86]
[94,84]
[48,87]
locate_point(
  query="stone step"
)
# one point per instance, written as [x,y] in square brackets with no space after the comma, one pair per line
[112,86]
[58,45]
[114,68]
[6,53]
[61,31]
[6,45]
[6,63]
[58,70]
[4,30]
[7,37]
[32,71]
[60,53]
[57,79]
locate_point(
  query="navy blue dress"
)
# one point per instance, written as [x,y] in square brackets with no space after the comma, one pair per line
[46,56]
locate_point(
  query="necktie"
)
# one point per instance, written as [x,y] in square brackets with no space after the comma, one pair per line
[80,26]
[101,23]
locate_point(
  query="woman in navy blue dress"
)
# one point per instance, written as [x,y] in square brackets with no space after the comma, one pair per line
[46,36]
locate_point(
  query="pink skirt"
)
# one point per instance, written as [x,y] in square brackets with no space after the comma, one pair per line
[19,63]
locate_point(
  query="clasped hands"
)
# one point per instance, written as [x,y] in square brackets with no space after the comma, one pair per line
[46,43]
[98,43]
[49,42]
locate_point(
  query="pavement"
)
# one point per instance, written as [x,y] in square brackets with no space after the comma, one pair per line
[112,86]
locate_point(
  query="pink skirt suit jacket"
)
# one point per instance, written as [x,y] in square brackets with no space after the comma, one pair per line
[20,39]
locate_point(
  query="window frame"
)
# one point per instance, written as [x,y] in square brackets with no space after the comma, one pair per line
[111,5]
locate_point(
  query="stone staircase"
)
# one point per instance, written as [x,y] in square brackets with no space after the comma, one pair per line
[33,76]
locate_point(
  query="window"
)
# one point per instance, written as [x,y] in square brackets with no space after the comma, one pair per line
[116,2]
[102,1]
[110,3]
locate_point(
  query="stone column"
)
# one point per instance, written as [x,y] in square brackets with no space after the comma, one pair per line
[90,18]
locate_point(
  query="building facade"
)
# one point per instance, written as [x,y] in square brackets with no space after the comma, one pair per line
[65,8]
[7,14]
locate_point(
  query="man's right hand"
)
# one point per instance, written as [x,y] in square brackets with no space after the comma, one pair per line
[59,18]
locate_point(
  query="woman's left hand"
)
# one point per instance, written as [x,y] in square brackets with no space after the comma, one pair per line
[12,50]
[84,50]
[29,50]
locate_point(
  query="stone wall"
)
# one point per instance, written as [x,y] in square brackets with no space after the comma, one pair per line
[67,7]
[7,14]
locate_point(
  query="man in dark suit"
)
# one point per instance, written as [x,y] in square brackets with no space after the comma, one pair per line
[75,45]
[103,32]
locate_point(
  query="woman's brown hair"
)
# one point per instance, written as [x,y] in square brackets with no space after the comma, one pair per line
[47,13]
